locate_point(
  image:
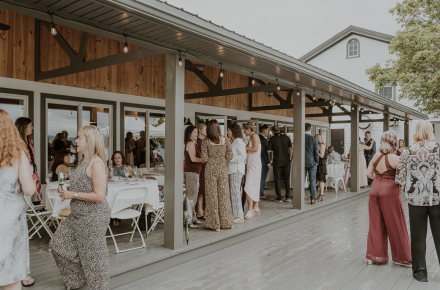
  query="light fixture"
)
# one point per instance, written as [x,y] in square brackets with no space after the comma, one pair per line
[53,29]
[369,112]
[352,106]
[314,98]
[362,110]
[126,44]
[278,85]
[180,58]
[187,122]
[221,70]
[71,113]
[253,80]
[297,90]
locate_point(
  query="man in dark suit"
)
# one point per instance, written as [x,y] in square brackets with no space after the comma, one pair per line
[265,160]
[281,146]
[311,160]
[369,153]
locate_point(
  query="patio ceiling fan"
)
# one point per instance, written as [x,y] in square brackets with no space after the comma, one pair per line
[4,27]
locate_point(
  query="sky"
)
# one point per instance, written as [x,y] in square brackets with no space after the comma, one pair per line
[294,26]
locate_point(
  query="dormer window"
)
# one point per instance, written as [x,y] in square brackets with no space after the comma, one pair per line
[387,91]
[353,48]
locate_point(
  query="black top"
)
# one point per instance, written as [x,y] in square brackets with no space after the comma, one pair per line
[312,151]
[54,176]
[373,149]
[59,145]
[265,159]
[279,145]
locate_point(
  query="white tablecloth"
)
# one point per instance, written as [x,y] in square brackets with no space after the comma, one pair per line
[334,170]
[152,200]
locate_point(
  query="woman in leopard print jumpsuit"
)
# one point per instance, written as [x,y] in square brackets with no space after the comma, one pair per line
[79,245]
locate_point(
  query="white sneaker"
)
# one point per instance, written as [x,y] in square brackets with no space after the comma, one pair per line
[249,214]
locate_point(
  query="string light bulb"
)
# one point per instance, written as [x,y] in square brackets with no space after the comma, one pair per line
[126,44]
[362,110]
[297,90]
[253,80]
[369,112]
[221,70]
[352,106]
[278,85]
[314,98]
[180,58]
[53,29]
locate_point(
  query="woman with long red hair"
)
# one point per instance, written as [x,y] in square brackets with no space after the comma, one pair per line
[15,180]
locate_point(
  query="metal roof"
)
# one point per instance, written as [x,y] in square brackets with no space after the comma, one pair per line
[349,31]
[157,25]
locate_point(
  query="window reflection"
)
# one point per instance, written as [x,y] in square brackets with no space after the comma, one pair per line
[157,139]
[99,117]
[13,107]
[135,124]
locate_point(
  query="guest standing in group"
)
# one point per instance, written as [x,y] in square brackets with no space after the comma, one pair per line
[369,153]
[129,149]
[236,170]
[321,171]
[401,147]
[282,149]
[79,245]
[386,214]
[216,151]
[191,168]
[265,159]
[16,180]
[311,160]
[417,174]
[120,164]
[25,127]
[201,127]
[60,164]
[253,174]
[332,154]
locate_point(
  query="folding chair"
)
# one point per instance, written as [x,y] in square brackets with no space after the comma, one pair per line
[338,175]
[52,195]
[126,198]
[160,212]
[41,219]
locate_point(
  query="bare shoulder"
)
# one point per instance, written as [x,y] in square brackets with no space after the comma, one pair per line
[97,163]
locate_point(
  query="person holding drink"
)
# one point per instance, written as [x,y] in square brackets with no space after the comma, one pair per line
[79,245]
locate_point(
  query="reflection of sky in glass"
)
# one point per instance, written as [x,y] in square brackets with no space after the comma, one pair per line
[59,120]
[15,111]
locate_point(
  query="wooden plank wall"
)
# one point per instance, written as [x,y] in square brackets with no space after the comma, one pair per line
[144,77]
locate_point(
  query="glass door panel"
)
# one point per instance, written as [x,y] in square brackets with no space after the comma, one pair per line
[135,123]
[99,117]
[156,136]
[14,107]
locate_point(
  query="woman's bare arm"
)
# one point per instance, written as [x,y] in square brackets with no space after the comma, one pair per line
[370,169]
[255,143]
[369,147]
[321,150]
[25,176]
[191,148]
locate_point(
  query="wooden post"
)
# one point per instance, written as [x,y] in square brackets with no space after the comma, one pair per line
[299,115]
[174,114]
[406,132]
[354,149]
[386,121]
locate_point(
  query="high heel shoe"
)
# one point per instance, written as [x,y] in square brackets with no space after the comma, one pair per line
[256,211]
[249,215]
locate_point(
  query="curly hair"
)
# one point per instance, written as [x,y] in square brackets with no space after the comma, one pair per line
[12,144]
[188,131]
[388,142]
[123,158]
[236,130]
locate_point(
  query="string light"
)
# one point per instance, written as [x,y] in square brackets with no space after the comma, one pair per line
[362,110]
[352,106]
[221,70]
[278,85]
[180,58]
[253,80]
[297,90]
[369,112]
[53,29]
[314,98]
[126,44]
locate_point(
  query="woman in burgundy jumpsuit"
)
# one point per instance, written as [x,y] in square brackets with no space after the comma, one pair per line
[386,214]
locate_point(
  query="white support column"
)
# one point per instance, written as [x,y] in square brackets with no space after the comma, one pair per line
[299,115]
[174,114]
[354,149]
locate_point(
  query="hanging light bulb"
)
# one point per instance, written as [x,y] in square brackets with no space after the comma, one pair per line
[314,98]
[278,86]
[221,70]
[253,80]
[71,113]
[369,112]
[53,29]
[362,110]
[180,58]
[297,90]
[352,106]
[126,44]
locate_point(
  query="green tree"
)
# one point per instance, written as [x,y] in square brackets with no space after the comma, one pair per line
[417,47]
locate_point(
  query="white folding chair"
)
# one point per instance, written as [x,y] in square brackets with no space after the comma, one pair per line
[159,212]
[41,219]
[128,197]
[52,195]
[337,175]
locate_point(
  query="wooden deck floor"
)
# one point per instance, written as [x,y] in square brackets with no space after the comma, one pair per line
[46,274]
[326,251]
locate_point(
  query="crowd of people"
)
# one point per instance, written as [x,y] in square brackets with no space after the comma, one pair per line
[220,172]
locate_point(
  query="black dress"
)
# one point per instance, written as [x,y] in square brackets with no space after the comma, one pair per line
[321,171]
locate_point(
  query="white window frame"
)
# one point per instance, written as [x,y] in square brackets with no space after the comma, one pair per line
[23,98]
[393,92]
[358,48]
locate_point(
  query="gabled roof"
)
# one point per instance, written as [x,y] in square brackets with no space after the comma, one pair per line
[349,31]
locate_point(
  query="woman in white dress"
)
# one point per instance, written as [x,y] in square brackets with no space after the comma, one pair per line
[363,181]
[253,174]
[16,180]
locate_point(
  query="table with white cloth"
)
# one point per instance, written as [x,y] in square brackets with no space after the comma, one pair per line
[333,170]
[152,199]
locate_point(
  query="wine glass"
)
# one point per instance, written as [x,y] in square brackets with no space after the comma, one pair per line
[126,171]
[135,170]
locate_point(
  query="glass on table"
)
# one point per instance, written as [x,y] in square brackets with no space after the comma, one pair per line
[126,171]
[135,169]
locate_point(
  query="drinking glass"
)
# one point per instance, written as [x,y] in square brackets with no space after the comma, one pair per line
[126,171]
[135,170]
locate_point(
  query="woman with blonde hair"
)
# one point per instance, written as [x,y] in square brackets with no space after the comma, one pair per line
[79,245]
[321,171]
[16,181]
[253,173]
[417,175]
[386,214]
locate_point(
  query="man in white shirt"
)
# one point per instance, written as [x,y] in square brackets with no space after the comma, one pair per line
[333,155]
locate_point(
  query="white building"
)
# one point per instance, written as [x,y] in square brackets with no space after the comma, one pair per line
[349,54]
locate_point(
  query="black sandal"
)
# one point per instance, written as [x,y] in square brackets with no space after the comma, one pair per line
[320,197]
[201,217]
[27,280]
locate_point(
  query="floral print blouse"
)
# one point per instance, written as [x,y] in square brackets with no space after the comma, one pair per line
[418,170]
